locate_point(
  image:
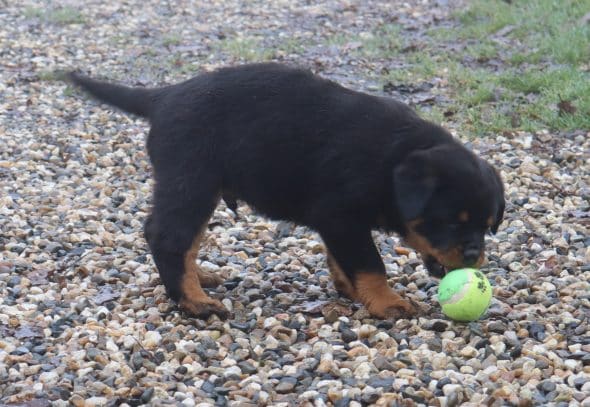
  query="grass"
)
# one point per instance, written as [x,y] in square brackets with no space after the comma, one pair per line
[384,42]
[176,63]
[61,16]
[290,46]
[69,91]
[519,61]
[253,49]
[550,27]
[49,76]
[247,49]
[520,99]
[33,12]
[171,40]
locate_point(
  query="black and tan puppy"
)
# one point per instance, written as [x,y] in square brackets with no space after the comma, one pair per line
[298,147]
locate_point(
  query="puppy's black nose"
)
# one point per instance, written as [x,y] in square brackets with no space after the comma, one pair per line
[470,255]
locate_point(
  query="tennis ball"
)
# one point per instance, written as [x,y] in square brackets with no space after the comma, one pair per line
[464,294]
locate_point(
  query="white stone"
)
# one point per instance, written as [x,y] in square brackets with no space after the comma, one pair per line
[263,397]
[308,395]
[96,402]
[319,403]
[228,304]
[439,362]
[232,370]
[325,331]
[111,346]
[469,351]
[381,337]
[48,377]
[290,370]
[498,348]
[451,388]
[151,339]
[322,347]
[367,331]
[271,342]
[334,384]
[208,266]
[571,364]
[466,370]
[363,371]
[227,362]
[536,247]
[270,322]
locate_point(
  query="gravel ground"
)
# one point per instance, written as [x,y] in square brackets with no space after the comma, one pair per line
[84,320]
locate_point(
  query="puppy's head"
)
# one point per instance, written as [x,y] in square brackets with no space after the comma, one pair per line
[448,198]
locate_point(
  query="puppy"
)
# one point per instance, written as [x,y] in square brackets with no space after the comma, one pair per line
[301,148]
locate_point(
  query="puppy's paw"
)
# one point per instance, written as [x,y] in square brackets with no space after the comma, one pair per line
[397,308]
[380,300]
[203,309]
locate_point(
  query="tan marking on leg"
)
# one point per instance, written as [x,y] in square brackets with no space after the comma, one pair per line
[206,278]
[194,300]
[381,301]
[191,289]
[463,216]
[341,280]
[490,221]
[451,258]
[481,260]
[190,257]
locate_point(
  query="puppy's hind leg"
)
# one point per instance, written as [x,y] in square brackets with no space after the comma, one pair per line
[341,281]
[174,232]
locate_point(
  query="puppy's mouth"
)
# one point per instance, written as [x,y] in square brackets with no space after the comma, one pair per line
[435,268]
[439,270]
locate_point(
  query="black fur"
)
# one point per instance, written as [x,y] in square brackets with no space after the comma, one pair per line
[301,148]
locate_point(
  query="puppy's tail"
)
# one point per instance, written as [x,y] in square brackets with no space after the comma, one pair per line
[138,101]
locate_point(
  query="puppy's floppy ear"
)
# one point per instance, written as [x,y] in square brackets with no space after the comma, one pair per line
[500,202]
[414,183]
[496,186]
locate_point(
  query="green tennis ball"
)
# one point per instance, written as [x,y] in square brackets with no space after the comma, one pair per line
[464,294]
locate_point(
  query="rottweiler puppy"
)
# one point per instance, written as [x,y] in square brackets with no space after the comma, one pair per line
[297,147]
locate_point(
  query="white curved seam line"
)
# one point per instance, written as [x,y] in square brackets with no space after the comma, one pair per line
[459,294]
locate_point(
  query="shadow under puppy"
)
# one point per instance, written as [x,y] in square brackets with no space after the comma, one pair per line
[301,148]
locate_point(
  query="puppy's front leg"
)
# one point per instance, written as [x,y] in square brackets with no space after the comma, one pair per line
[359,273]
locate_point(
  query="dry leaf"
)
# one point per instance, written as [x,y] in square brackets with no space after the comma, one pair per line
[334,310]
[27,332]
[514,120]
[565,106]
[105,294]
[312,307]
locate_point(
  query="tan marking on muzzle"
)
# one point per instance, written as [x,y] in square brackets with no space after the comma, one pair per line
[451,258]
